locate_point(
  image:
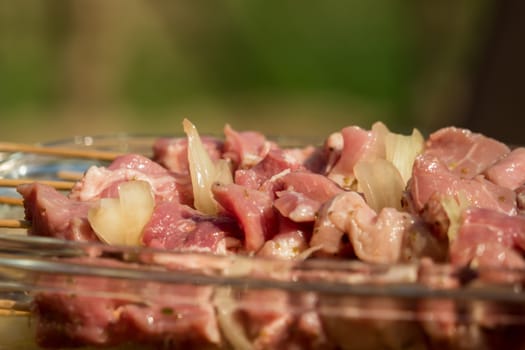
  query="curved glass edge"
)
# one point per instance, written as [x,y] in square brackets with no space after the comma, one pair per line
[35,260]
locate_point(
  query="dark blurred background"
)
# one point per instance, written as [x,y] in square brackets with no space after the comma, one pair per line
[283,67]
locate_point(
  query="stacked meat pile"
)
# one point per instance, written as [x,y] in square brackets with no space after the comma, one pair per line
[369,195]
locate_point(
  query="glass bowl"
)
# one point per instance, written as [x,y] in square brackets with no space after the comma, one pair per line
[191,300]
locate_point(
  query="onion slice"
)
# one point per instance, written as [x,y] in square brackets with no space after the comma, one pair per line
[204,173]
[120,221]
[231,327]
[380,182]
[402,151]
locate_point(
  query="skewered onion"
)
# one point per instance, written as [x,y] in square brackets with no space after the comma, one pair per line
[204,173]
[402,150]
[121,220]
[380,182]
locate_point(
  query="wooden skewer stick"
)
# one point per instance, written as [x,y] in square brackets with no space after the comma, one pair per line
[11,200]
[59,185]
[69,175]
[13,223]
[59,151]
[13,308]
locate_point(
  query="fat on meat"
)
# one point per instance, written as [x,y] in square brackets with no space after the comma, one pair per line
[100,182]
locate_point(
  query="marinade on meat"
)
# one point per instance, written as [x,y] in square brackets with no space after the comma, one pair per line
[296,203]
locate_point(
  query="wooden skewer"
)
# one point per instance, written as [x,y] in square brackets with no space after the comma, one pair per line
[13,223]
[69,175]
[59,151]
[11,200]
[12,308]
[59,185]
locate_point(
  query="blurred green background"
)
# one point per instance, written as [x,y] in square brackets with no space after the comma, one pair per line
[294,67]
